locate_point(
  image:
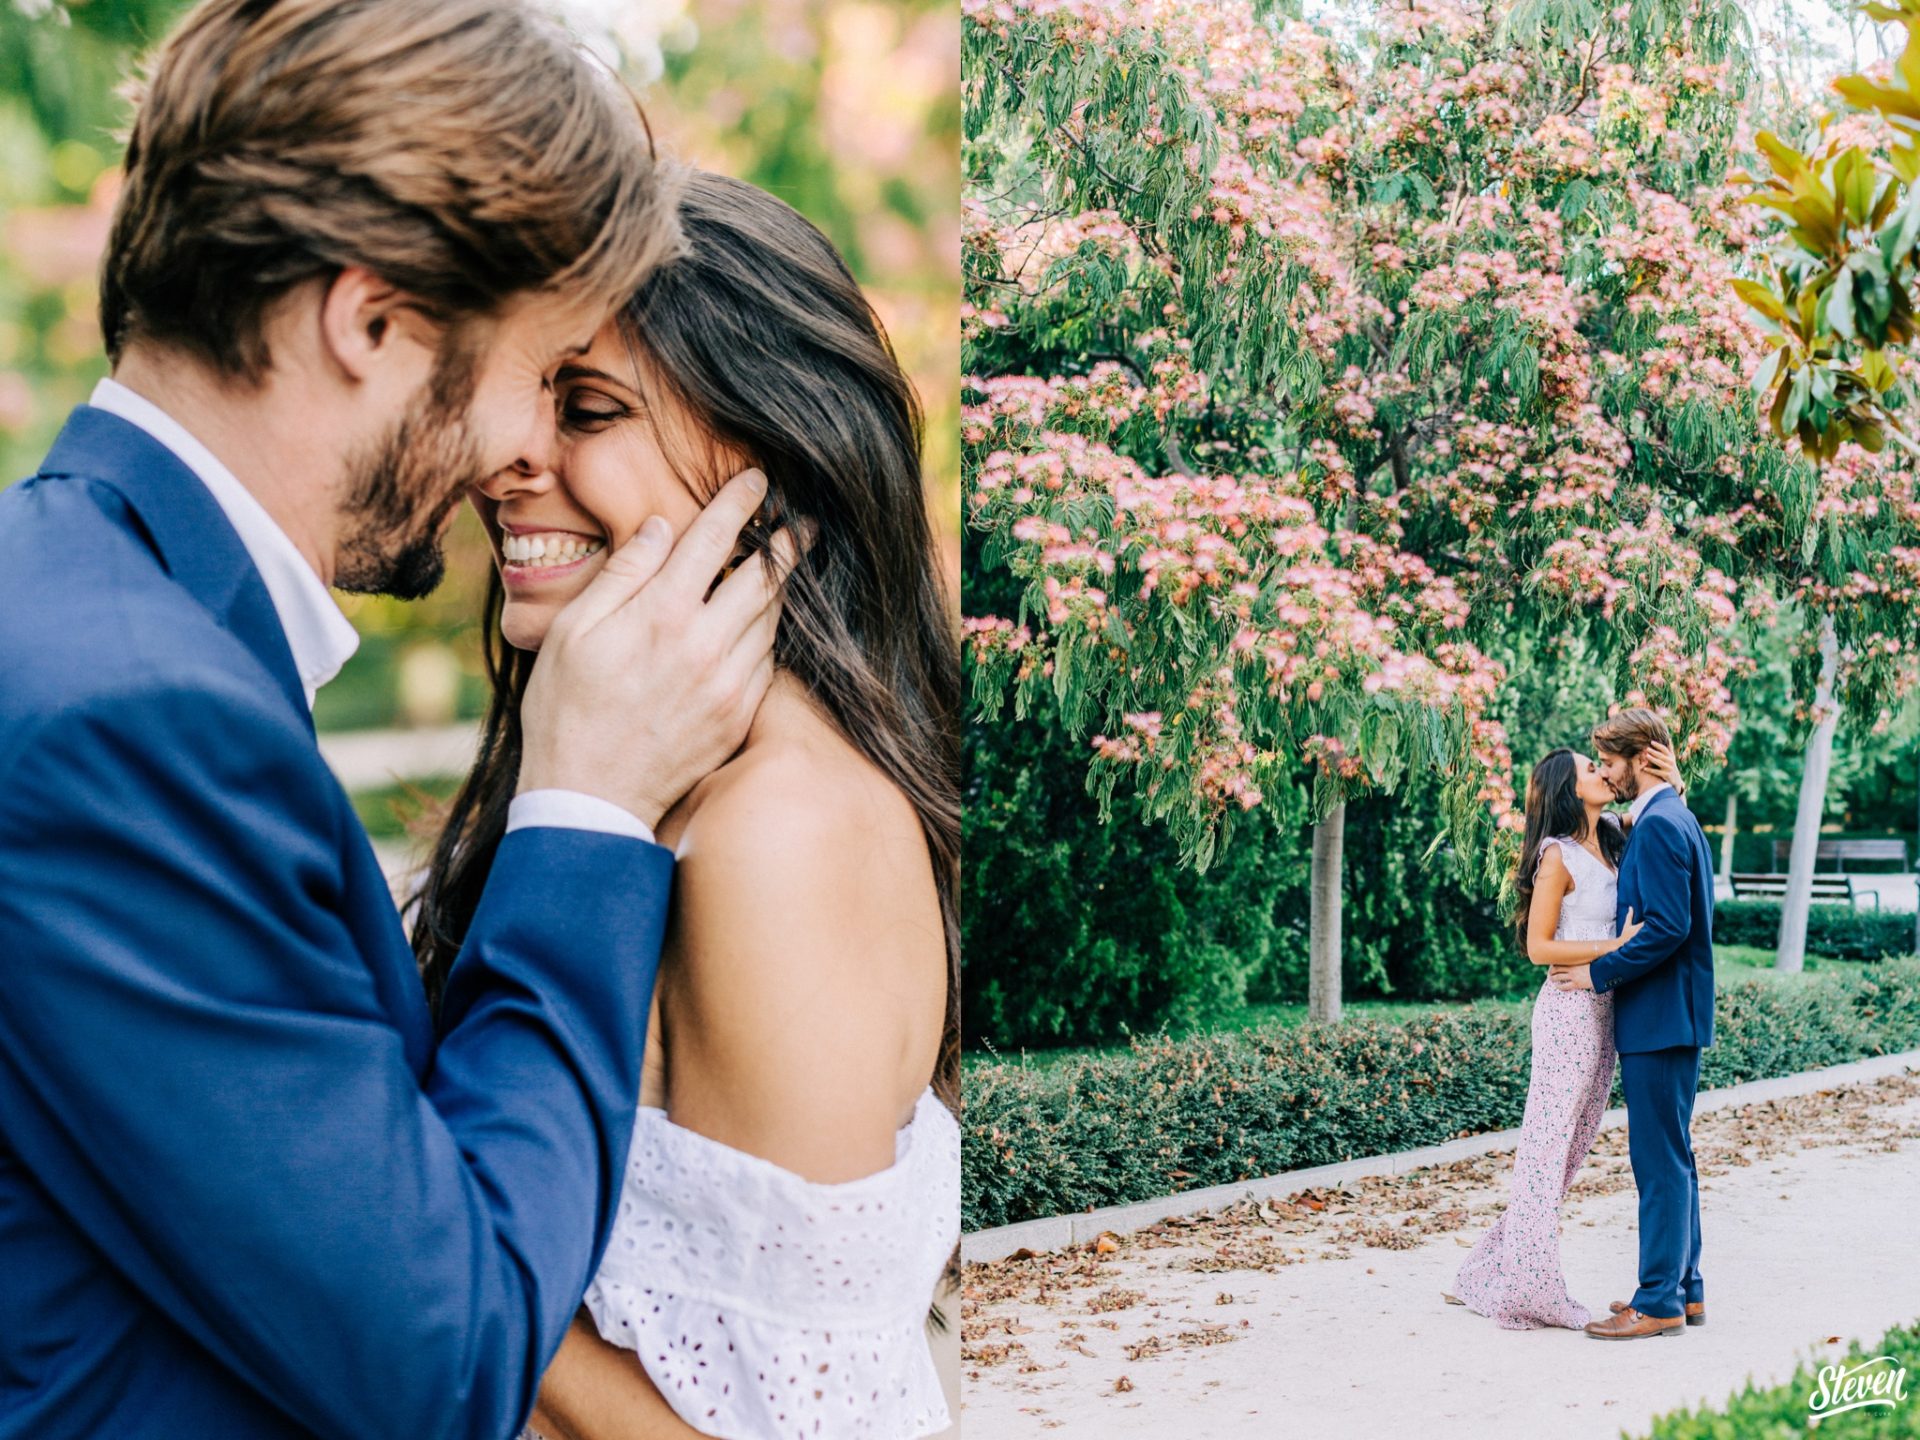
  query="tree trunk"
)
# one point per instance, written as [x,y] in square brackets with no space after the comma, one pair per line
[1813,804]
[1726,837]
[1324,885]
[1323,916]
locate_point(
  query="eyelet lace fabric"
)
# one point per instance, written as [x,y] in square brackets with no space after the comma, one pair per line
[765,1306]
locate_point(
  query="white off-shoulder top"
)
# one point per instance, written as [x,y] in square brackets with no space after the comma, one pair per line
[765,1306]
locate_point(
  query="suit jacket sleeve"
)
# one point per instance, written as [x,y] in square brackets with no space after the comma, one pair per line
[197,1065]
[1663,864]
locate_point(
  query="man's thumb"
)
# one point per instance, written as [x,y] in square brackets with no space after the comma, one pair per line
[627,570]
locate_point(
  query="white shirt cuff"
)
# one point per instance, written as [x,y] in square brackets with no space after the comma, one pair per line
[571,810]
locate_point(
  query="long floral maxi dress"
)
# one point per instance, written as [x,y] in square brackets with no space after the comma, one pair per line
[1514,1274]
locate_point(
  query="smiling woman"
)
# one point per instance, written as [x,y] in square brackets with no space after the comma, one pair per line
[632,449]
[818,865]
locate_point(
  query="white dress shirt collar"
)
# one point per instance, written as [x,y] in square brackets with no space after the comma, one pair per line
[321,638]
[1644,799]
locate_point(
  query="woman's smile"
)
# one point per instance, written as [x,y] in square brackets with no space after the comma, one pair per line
[621,461]
[535,555]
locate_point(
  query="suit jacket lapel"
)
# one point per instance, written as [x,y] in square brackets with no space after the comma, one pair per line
[1626,885]
[1633,897]
[188,529]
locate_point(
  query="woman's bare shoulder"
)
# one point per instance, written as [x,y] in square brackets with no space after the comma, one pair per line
[807,976]
[809,782]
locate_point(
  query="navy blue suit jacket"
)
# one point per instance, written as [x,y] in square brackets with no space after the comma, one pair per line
[1662,979]
[245,1187]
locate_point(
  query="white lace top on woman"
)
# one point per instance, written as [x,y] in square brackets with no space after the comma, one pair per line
[767,1307]
[1587,912]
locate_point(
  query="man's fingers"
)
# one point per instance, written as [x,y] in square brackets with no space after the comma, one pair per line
[757,639]
[709,542]
[758,683]
[787,546]
[627,570]
[756,585]
[746,666]
[744,678]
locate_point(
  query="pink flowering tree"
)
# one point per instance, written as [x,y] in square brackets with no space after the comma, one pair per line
[1309,378]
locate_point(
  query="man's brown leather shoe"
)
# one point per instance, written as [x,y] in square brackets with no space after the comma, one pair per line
[1629,1324]
[1696,1310]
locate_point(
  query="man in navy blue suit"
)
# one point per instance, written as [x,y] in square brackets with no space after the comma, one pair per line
[249,1186]
[1662,984]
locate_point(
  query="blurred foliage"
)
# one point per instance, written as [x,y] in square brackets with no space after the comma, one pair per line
[846,109]
[406,808]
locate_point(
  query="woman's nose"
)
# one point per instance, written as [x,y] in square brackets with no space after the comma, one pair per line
[522,477]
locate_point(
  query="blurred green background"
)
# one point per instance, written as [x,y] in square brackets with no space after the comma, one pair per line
[846,109]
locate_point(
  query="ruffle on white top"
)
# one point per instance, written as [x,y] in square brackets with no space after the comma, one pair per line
[765,1306]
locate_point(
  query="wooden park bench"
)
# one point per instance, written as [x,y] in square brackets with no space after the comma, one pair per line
[1841,851]
[1827,889]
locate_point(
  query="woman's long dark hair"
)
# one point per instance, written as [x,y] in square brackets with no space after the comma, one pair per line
[763,334]
[1554,807]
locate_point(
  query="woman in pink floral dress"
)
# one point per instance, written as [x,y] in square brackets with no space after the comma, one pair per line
[1565,917]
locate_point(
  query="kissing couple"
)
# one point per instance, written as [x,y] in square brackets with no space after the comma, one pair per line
[646,1131]
[1621,918]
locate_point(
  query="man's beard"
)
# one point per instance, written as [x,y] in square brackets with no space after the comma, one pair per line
[1628,788]
[392,542]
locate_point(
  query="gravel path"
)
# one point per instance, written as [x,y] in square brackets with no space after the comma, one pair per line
[1321,1315]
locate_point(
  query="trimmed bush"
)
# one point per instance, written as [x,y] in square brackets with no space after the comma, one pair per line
[1167,1116]
[1179,1115]
[1764,1412]
[1836,930]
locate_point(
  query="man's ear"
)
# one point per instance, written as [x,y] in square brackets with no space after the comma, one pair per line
[370,328]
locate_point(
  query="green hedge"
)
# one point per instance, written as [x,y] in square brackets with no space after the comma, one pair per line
[1173,1115]
[1775,1411]
[1836,930]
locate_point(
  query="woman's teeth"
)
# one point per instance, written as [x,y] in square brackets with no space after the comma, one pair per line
[553,547]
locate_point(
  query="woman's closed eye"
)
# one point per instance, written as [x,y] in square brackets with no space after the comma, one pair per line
[585,410]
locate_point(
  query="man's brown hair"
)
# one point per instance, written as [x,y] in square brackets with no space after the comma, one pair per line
[465,151]
[1630,732]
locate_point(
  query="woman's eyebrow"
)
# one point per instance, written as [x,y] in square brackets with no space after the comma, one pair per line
[587,372]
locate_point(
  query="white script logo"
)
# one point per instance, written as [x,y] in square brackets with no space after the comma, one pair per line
[1839,1388]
